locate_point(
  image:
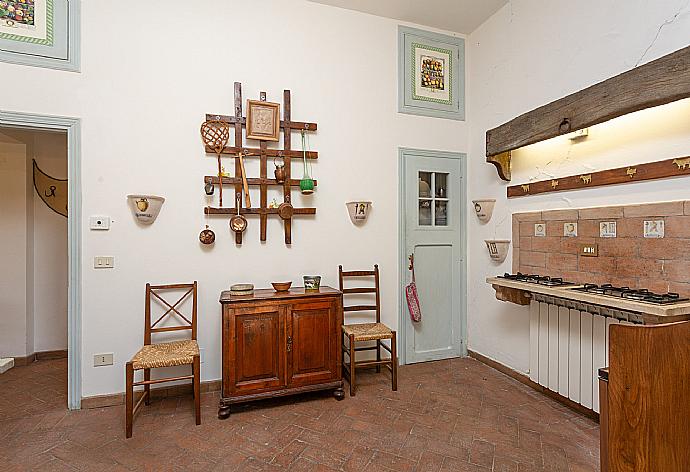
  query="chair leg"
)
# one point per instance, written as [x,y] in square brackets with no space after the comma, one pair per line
[197,392]
[378,355]
[129,398]
[394,361]
[352,365]
[147,388]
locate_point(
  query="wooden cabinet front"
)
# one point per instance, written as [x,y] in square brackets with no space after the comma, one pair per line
[258,355]
[277,344]
[312,343]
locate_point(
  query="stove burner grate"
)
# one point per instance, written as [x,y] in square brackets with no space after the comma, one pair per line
[640,295]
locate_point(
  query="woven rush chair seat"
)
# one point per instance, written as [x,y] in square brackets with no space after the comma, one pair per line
[368,331]
[166,354]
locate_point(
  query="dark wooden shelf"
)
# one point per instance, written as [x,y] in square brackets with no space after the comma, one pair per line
[658,82]
[668,168]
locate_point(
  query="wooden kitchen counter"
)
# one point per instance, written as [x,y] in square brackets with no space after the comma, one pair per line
[651,313]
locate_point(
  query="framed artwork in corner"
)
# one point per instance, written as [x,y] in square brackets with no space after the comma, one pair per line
[431,74]
[41,33]
[263,120]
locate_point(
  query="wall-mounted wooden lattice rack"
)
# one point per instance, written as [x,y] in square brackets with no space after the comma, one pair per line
[262,152]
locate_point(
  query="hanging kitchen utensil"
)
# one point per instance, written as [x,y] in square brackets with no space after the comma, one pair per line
[286,210]
[238,223]
[207,236]
[412,296]
[280,170]
[209,188]
[306,185]
[215,134]
[240,155]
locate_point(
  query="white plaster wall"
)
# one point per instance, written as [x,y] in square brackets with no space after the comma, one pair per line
[530,53]
[142,94]
[49,250]
[13,226]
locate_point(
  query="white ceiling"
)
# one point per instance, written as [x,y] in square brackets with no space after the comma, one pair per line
[460,16]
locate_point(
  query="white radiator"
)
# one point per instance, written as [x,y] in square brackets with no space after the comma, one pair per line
[567,348]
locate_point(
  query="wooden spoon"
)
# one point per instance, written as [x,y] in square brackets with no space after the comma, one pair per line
[244,180]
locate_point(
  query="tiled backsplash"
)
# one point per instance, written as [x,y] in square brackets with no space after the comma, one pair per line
[630,259]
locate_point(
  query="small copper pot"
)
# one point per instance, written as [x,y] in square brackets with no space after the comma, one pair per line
[279,172]
[207,236]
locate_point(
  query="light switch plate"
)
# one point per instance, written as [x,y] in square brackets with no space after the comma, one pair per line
[99,223]
[100,360]
[103,262]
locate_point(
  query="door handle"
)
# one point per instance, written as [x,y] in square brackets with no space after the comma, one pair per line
[411,259]
[289,344]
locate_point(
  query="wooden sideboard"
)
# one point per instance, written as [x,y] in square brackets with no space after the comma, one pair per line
[280,343]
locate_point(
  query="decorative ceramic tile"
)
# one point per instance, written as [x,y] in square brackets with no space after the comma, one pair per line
[654,229]
[540,230]
[607,229]
[570,230]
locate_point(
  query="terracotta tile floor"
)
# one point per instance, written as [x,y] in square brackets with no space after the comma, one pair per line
[456,415]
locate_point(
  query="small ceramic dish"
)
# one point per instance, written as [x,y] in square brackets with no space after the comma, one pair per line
[281,286]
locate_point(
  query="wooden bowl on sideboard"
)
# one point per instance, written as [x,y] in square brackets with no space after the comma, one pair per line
[281,286]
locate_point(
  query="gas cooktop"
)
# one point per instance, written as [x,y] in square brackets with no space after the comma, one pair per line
[536,279]
[638,295]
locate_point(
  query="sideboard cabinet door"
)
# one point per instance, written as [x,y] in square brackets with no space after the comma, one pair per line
[257,355]
[313,331]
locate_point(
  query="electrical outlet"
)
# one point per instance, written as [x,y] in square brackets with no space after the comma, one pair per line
[589,250]
[202,355]
[102,359]
[103,262]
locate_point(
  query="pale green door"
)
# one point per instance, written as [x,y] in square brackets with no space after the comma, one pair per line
[434,206]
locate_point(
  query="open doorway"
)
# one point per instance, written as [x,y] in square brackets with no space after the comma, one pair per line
[34,254]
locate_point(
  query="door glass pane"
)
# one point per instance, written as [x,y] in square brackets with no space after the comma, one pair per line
[441,185]
[441,213]
[425,185]
[425,212]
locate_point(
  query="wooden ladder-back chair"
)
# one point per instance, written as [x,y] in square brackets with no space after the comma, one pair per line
[361,332]
[167,354]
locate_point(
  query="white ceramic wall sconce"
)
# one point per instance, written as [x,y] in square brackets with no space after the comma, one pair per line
[145,207]
[498,249]
[484,209]
[358,211]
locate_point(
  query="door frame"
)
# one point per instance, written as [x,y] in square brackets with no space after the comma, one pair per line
[404,152]
[30,121]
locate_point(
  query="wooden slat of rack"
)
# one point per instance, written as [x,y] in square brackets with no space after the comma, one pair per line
[287,145]
[254,211]
[238,144]
[668,168]
[251,181]
[298,125]
[252,152]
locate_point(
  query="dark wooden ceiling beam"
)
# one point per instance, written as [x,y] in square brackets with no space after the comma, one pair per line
[658,82]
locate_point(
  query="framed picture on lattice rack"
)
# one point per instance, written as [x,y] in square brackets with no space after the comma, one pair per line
[431,74]
[263,120]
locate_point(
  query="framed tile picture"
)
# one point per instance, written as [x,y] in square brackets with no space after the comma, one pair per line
[431,74]
[42,33]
